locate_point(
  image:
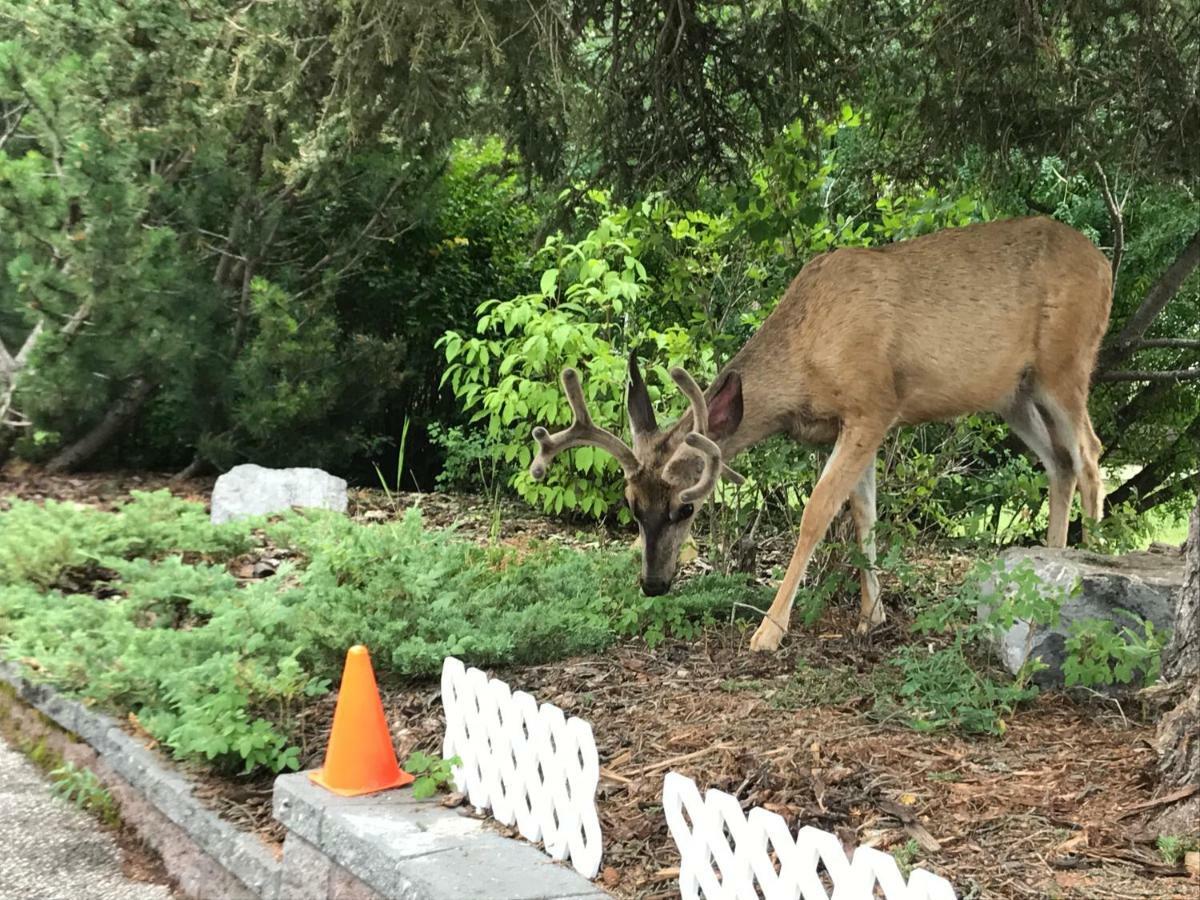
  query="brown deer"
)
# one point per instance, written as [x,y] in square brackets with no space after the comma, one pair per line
[1002,317]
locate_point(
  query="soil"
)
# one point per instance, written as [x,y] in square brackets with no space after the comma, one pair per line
[1055,806]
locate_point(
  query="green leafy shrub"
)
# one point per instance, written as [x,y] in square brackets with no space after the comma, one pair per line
[941,688]
[432,773]
[469,459]
[1101,653]
[1173,847]
[950,685]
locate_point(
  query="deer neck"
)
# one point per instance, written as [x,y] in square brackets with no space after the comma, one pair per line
[767,411]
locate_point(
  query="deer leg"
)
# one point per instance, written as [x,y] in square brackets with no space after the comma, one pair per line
[1026,419]
[1091,487]
[862,511]
[855,448]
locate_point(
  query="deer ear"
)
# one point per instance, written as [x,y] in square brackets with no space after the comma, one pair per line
[725,407]
[641,410]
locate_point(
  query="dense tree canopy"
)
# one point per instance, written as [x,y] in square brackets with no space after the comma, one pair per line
[236,232]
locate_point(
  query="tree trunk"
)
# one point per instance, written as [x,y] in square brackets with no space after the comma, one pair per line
[192,469]
[1178,739]
[10,373]
[114,422]
[8,437]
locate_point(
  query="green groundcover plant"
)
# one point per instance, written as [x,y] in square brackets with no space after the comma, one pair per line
[137,611]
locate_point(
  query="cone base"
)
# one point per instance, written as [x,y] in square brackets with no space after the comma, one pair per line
[318,777]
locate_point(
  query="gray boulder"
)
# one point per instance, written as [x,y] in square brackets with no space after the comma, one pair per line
[1145,584]
[250,490]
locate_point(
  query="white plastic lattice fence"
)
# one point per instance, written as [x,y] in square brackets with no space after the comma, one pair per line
[529,764]
[727,855]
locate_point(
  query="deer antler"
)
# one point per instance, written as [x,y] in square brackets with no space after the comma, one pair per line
[707,448]
[695,396]
[711,454]
[583,431]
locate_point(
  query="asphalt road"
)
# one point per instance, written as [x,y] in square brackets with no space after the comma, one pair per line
[50,850]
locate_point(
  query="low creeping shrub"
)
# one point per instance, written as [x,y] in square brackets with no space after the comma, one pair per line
[217,670]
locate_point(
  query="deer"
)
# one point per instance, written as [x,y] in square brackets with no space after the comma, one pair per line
[1002,317]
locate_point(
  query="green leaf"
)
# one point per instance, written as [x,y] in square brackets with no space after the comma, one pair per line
[424,787]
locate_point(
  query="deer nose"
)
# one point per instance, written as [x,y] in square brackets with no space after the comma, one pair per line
[654,587]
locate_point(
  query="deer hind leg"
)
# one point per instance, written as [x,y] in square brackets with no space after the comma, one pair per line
[855,448]
[862,509]
[1091,487]
[1033,421]
[1065,407]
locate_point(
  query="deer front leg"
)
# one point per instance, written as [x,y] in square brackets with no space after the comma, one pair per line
[855,448]
[862,510]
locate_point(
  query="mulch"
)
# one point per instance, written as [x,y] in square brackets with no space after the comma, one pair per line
[1054,807]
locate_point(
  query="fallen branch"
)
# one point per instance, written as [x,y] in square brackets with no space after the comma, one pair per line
[613,776]
[1182,794]
[686,757]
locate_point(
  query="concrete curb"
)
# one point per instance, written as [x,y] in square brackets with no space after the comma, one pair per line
[242,855]
[406,848]
[381,847]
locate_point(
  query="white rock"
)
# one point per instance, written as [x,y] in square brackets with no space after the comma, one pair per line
[250,490]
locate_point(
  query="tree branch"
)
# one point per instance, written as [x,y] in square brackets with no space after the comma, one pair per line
[1116,220]
[1157,473]
[77,319]
[1175,343]
[1168,375]
[15,115]
[1115,431]
[1186,484]
[363,233]
[10,370]
[1163,291]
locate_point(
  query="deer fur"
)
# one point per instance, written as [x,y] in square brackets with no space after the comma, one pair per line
[1003,317]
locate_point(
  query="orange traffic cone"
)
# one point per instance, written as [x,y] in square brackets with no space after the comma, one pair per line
[360,758]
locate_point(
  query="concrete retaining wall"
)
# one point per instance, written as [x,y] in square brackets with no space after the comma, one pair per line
[382,847]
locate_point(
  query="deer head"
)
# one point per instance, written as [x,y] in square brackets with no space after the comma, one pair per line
[668,474]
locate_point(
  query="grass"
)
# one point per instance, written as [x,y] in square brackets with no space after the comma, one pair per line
[82,788]
[1166,528]
[1173,847]
[835,686]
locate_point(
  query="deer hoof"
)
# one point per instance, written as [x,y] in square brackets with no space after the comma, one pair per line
[865,626]
[767,638]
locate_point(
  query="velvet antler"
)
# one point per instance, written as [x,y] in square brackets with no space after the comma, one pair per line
[583,432]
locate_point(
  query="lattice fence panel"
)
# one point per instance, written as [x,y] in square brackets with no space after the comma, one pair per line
[528,763]
[728,855]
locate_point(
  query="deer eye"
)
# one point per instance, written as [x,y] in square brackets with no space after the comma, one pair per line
[684,512]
